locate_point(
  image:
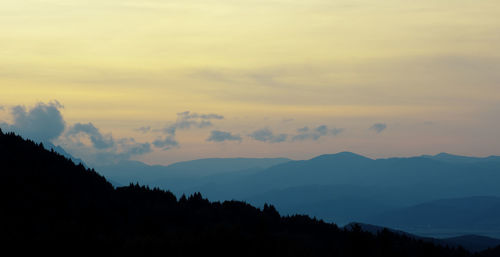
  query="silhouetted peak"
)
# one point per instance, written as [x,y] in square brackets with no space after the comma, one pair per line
[341,156]
[446,155]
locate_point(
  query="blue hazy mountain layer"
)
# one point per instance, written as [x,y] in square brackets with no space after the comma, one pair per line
[58,149]
[187,174]
[341,188]
[446,217]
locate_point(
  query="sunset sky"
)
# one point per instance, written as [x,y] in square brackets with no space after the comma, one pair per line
[164,80]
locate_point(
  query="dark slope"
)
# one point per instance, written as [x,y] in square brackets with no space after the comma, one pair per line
[472,243]
[493,252]
[50,204]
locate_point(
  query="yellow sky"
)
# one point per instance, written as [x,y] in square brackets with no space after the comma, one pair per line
[123,64]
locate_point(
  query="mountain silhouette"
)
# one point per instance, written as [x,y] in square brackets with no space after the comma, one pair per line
[53,206]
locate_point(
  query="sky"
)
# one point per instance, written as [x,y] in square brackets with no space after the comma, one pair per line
[165,81]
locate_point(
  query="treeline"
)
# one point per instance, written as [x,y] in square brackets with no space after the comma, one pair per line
[49,204]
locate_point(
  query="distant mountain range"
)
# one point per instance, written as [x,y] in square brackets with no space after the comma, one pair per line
[58,149]
[461,159]
[343,187]
[185,175]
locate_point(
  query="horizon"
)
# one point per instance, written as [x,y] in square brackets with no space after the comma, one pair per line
[163,82]
[263,157]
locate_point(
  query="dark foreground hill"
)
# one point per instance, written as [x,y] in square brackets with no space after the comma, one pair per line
[472,243]
[49,204]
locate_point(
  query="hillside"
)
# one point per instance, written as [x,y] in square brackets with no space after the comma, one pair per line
[472,243]
[53,205]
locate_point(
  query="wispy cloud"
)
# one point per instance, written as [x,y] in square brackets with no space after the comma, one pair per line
[306,133]
[266,135]
[144,129]
[186,120]
[166,143]
[378,127]
[221,136]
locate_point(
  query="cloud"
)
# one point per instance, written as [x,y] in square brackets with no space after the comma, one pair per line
[336,131]
[266,135]
[167,143]
[130,147]
[188,115]
[42,123]
[221,136]
[378,127]
[306,136]
[98,140]
[322,130]
[140,149]
[186,120]
[103,148]
[303,130]
[306,133]
[144,130]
